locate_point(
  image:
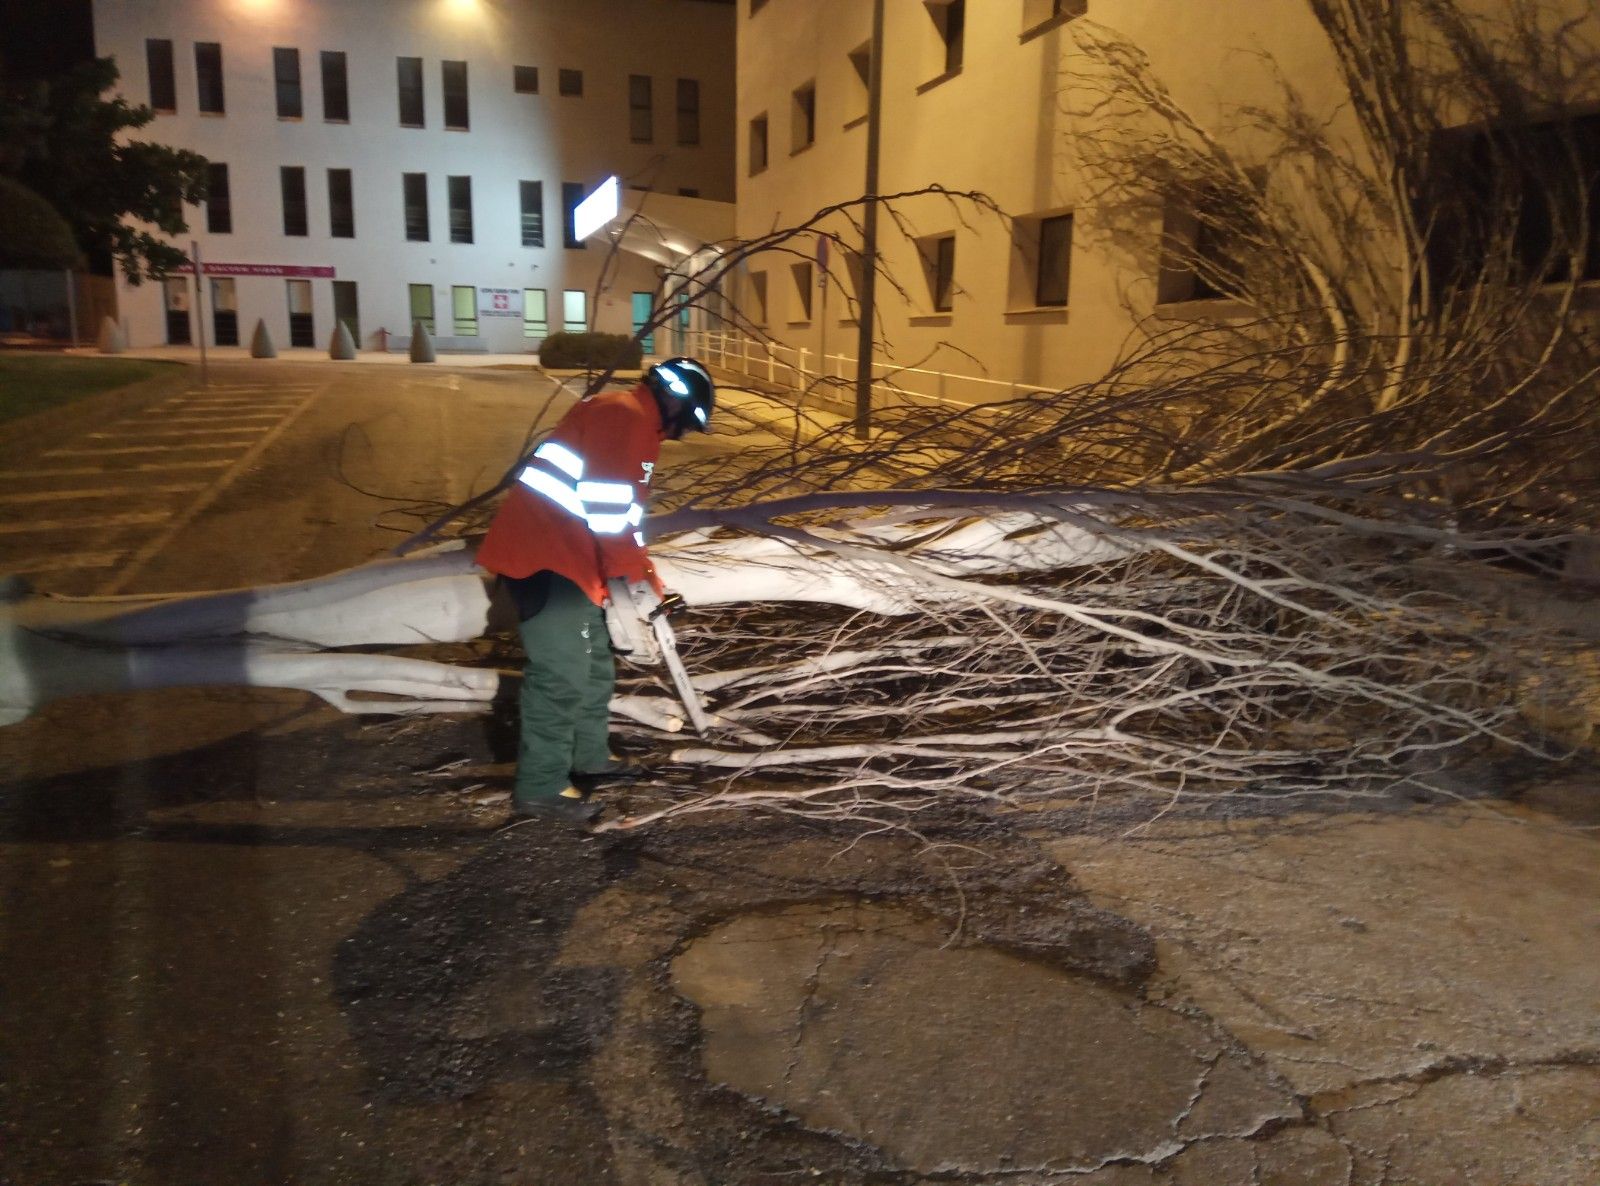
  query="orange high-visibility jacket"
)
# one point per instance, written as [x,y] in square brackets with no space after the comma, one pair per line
[577,508]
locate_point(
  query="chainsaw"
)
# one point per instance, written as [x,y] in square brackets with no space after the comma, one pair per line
[636,619]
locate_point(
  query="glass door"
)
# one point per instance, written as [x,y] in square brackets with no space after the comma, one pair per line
[302,330]
[347,309]
[421,306]
[224,311]
[175,292]
[642,307]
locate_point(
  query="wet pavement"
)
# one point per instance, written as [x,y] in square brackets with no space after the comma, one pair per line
[244,938]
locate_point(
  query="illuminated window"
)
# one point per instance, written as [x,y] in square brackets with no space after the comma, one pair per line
[335,87]
[532,213]
[163,84]
[409,77]
[640,113]
[286,82]
[302,331]
[464,310]
[208,77]
[455,95]
[575,311]
[688,111]
[292,181]
[421,299]
[460,189]
[219,201]
[535,313]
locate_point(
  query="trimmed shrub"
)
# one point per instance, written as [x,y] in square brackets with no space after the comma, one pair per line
[590,352]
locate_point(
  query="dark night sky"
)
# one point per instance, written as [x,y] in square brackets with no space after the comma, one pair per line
[39,38]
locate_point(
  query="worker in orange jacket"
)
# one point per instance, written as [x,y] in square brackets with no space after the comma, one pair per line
[574,520]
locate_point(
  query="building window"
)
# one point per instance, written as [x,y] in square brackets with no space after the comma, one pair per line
[175,299]
[292,179]
[861,71]
[335,87]
[688,111]
[535,313]
[302,332]
[455,96]
[571,195]
[1039,15]
[756,6]
[464,310]
[416,199]
[1199,259]
[341,204]
[575,311]
[939,267]
[286,78]
[758,298]
[208,77]
[525,79]
[421,300]
[570,83]
[804,284]
[1054,270]
[224,311]
[803,121]
[532,213]
[640,115]
[347,308]
[219,201]
[950,23]
[685,191]
[410,78]
[758,144]
[460,189]
[163,83]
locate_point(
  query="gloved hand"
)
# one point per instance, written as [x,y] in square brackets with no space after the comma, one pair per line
[671,603]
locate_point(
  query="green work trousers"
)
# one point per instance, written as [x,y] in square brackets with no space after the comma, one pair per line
[566,693]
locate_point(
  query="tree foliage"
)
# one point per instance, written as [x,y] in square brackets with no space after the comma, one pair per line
[64,140]
[32,234]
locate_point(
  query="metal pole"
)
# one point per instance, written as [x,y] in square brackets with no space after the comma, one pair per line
[200,309]
[869,231]
[72,306]
[822,312]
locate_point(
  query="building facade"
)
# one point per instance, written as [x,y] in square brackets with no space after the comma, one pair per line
[382,162]
[978,95]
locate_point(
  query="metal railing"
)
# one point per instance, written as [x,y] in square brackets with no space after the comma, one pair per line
[800,369]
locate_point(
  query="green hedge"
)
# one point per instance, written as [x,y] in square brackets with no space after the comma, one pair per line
[590,352]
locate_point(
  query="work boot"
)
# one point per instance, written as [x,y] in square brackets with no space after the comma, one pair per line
[571,806]
[614,774]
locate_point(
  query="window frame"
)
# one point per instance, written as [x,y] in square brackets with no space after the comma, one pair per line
[411,91]
[803,117]
[530,198]
[210,79]
[688,128]
[543,322]
[287,87]
[458,192]
[569,324]
[335,68]
[414,200]
[1043,257]
[758,122]
[453,77]
[569,83]
[161,75]
[521,73]
[219,210]
[296,210]
[341,206]
[641,109]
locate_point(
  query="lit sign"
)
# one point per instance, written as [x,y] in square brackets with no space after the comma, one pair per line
[599,208]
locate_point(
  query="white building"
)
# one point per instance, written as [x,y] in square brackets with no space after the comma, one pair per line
[385,161]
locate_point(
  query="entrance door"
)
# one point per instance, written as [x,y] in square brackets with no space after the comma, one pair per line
[175,292]
[642,307]
[224,311]
[302,330]
[422,306]
[347,309]
[464,310]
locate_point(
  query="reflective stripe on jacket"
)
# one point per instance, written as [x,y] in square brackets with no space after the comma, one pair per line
[578,505]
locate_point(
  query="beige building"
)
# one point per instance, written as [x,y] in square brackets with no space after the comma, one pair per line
[974,97]
[378,162]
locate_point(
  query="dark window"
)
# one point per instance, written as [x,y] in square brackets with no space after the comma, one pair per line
[286,77]
[410,77]
[335,87]
[347,308]
[525,79]
[219,201]
[688,193]
[688,111]
[1199,252]
[455,95]
[163,85]
[640,120]
[942,272]
[208,76]
[571,195]
[758,144]
[416,199]
[341,204]
[533,214]
[570,82]
[803,125]
[293,181]
[302,331]
[460,209]
[756,6]
[1055,260]
[951,21]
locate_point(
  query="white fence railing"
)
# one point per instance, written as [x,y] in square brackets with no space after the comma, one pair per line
[799,368]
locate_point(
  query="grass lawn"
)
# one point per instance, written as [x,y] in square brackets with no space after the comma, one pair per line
[31,382]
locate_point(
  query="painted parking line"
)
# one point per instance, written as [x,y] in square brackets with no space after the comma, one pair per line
[241,443]
[91,523]
[100,471]
[64,563]
[100,492]
[119,434]
[237,418]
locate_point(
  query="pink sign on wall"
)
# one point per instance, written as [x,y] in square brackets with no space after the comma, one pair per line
[318,271]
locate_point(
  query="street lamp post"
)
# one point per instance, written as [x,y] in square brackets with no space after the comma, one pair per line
[869,232]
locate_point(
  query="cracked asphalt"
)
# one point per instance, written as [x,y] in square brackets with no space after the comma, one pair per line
[244,938]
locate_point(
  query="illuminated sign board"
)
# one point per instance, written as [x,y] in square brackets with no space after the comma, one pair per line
[598,209]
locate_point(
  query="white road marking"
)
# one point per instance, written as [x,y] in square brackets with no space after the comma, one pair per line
[238,444]
[213,419]
[166,432]
[101,492]
[93,523]
[72,560]
[96,471]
